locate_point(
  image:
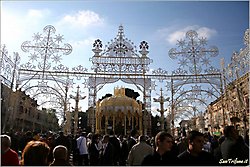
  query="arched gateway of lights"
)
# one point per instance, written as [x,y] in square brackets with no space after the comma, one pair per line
[189,84]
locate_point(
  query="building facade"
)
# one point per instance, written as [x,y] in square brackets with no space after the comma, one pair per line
[232,108]
[20,113]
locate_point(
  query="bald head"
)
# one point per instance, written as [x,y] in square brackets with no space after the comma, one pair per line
[60,152]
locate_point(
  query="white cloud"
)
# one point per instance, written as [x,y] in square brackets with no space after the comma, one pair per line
[82,19]
[10,27]
[34,13]
[171,35]
[84,43]
[16,28]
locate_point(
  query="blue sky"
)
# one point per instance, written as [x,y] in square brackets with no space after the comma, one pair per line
[160,23]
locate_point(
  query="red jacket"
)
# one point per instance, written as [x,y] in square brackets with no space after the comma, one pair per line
[9,158]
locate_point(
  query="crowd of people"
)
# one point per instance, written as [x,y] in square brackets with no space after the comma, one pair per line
[195,149]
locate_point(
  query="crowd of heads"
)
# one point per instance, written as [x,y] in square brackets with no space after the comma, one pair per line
[55,148]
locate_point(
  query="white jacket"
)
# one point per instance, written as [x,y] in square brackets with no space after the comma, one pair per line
[82,145]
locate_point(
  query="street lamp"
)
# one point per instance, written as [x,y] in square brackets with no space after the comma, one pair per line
[76,98]
[161,100]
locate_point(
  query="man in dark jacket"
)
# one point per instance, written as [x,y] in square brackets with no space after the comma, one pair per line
[116,146]
[133,139]
[107,152]
[162,154]
[194,155]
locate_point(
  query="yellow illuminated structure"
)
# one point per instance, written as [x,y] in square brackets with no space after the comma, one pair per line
[118,112]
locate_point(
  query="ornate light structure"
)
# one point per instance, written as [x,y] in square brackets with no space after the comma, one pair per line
[8,73]
[233,73]
[77,98]
[193,53]
[161,100]
[46,48]
[119,60]
[195,74]
[8,66]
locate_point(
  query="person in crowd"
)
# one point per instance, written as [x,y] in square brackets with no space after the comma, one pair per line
[63,140]
[124,150]
[14,140]
[60,154]
[162,154]
[74,149]
[241,151]
[99,141]
[107,151]
[132,139]
[234,147]
[94,151]
[8,156]
[27,137]
[51,143]
[89,137]
[217,151]
[231,135]
[194,155]
[246,137]
[174,150]
[182,144]
[207,144]
[36,136]
[139,151]
[83,149]
[35,153]
[214,143]
[116,146]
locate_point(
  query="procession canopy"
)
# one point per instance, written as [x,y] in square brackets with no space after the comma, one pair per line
[116,109]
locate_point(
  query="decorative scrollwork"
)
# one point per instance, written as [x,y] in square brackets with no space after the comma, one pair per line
[4,50]
[80,68]
[210,92]
[153,85]
[43,86]
[196,90]
[61,67]
[212,70]
[172,53]
[120,56]
[246,37]
[179,71]
[8,65]
[159,71]
[144,48]
[85,83]
[97,45]
[239,61]
[168,86]
[191,34]
[28,66]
